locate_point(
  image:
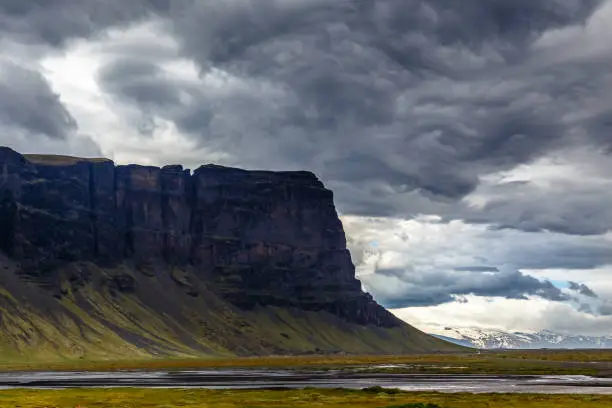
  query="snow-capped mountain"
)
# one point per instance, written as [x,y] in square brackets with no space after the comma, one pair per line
[492,339]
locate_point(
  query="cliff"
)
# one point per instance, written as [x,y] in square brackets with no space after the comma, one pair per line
[166,261]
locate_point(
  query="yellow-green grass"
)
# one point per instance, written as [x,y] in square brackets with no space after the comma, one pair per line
[210,362]
[584,355]
[168,398]
[58,160]
[484,363]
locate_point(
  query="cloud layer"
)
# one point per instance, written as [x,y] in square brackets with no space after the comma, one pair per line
[29,104]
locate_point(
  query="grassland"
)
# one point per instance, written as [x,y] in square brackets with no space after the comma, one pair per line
[168,398]
[594,362]
[588,362]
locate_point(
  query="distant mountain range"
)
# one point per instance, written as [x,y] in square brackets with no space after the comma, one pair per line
[493,339]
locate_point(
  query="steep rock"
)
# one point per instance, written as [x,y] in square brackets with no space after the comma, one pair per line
[253,238]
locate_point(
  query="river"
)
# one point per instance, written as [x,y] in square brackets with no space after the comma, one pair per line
[273,378]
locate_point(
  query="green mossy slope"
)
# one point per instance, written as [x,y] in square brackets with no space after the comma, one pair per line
[93,318]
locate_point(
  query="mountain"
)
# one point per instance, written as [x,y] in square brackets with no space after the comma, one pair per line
[494,339]
[101,261]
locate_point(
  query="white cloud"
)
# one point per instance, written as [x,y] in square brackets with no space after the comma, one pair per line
[580,41]
[425,247]
[508,315]
[114,126]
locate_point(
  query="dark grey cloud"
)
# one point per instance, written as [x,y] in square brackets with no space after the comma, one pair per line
[401,106]
[141,82]
[560,254]
[54,22]
[382,102]
[242,25]
[28,103]
[605,309]
[582,289]
[33,117]
[476,269]
[356,90]
[570,206]
[585,308]
[439,287]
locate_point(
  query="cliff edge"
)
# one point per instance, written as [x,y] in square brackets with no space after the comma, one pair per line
[105,260]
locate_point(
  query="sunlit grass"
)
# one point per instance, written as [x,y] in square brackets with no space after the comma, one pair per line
[511,362]
[585,355]
[167,398]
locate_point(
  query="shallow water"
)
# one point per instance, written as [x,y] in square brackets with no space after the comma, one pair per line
[251,378]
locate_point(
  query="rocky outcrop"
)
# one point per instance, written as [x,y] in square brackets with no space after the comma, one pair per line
[257,238]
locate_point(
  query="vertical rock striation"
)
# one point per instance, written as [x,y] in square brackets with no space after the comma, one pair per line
[258,238]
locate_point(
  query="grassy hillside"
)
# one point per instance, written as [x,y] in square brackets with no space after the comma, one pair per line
[123,313]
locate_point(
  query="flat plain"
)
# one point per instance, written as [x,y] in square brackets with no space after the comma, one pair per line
[170,398]
[587,362]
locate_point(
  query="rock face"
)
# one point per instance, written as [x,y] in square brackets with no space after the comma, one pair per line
[256,238]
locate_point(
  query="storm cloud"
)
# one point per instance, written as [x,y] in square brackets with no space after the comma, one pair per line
[55,22]
[28,103]
[438,287]
[582,289]
[395,96]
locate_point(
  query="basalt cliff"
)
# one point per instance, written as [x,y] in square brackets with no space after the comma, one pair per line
[99,260]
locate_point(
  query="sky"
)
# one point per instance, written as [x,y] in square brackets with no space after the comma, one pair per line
[468,143]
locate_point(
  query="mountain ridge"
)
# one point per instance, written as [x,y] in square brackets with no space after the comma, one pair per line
[165,261]
[484,338]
